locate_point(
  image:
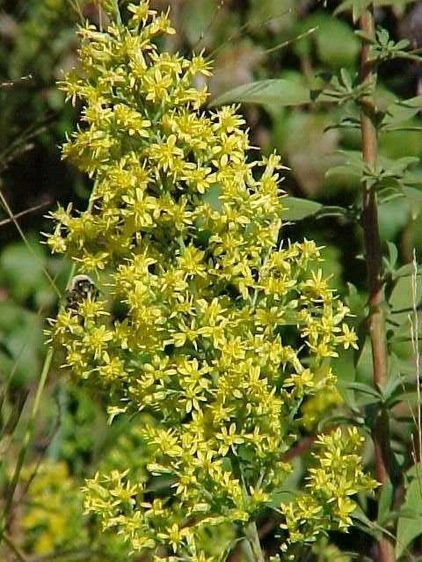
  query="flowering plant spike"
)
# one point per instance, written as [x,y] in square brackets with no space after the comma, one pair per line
[222,334]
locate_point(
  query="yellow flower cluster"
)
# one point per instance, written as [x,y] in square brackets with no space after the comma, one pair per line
[222,333]
[44,522]
[328,503]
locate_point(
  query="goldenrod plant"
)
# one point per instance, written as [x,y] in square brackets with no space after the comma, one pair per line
[206,320]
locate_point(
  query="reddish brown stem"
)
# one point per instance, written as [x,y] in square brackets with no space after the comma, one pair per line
[373,254]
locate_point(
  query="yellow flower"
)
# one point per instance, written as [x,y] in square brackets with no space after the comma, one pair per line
[349,337]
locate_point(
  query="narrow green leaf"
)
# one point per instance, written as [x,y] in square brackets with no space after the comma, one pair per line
[297,209]
[332,211]
[279,92]
[363,389]
[410,520]
[401,296]
[401,164]
[404,271]
[385,503]
[413,102]
[361,521]
[346,78]
[401,111]
[393,254]
[396,382]
[343,170]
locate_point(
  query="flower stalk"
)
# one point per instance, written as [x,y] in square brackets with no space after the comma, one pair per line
[223,334]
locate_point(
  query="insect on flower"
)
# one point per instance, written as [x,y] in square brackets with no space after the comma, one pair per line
[80,288]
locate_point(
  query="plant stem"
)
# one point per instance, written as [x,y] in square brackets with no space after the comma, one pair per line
[253,551]
[15,549]
[25,444]
[373,254]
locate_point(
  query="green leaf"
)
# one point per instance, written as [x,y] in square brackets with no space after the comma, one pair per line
[364,367]
[385,503]
[393,216]
[415,102]
[414,197]
[402,299]
[398,167]
[406,270]
[361,521]
[396,383]
[297,209]
[282,495]
[410,520]
[279,92]
[389,189]
[393,255]
[344,170]
[366,389]
[333,211]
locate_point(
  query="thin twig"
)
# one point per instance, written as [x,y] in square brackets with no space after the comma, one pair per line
[25,212]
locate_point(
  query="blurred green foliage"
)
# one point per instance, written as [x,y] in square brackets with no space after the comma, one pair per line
[287,40]
[27,297]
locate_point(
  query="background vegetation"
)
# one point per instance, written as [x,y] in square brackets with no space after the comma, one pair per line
[50,443]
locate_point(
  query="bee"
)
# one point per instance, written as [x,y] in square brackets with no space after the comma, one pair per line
[80,288]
